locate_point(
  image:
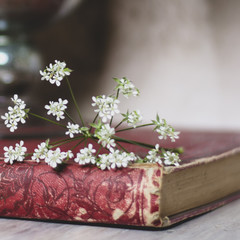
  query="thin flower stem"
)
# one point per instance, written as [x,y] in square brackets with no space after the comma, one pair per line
[75,102]
[94,120]
[99,149]
[66,139]
[28,154]
[95,140]
[123,148]
[119,124]
[130,128]
[117,95]
[141,144]
[77,144]
[69,117]
[46,119]
[111,121]
[146,145]
[59,143]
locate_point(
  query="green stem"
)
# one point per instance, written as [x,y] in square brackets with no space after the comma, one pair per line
[95,140]
[28,154]
[94,120]
[111,121]
[117,95]
[69,117]
[63,141]
[119,124]
[75,102]
[141,144]
[146,145]
[46,119]
[123,148]
[130,128]
[77,144]
[99,149]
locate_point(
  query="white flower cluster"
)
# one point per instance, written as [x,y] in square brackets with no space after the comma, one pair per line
[55,72]
[153,155]
[15,114]
[51,157]
[115,159]
[104,134]
[14,154]
[107,106]
[40,152]
[164,130]
[126,87]
[112,160]
[171,158]
[57,108]
[85,156]
[55,157]
[73,129]
[133,118]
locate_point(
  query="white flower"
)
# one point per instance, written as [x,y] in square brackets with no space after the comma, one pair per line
[40,152]
[12,126]
[55,157]
[171,158]
[56,79]
[62,104]
[51,108]
[20,151]
[69,154]
[133,118]
[15,114]
[120,159]
[164,130]
[173,135]
[7,118]
[126,87]
[153,155]
[45,75]
[17,101]
[115,159]
[104,161]
[104,134]
[107,106]
[14,154]
[86,155]
[9,154]
[55,72]
[72,129]
[57,108]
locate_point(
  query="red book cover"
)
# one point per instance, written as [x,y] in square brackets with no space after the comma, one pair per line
[131,196]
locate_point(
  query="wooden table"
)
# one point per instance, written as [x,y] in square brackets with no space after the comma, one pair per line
[221,224]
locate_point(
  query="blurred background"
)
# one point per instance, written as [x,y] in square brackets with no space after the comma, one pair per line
[183,55]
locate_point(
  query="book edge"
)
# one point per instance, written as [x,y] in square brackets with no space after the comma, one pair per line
[170,221]
[200,161]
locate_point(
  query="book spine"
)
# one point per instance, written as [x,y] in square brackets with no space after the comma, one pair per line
[127,196]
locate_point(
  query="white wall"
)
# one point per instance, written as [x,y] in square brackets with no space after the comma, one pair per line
[184,57]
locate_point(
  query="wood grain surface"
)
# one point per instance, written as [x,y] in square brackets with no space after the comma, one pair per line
[221,224]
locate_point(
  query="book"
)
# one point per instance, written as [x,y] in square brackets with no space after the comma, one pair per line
[141,195]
